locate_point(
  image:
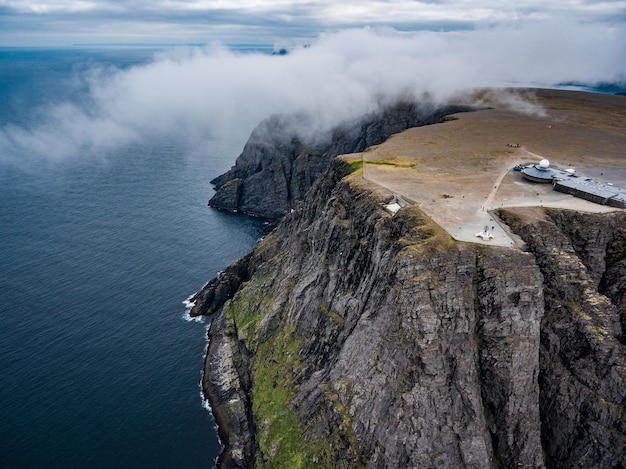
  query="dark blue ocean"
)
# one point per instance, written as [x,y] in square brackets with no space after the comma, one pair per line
[99,367]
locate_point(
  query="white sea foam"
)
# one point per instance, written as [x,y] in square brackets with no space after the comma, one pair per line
[187,317]
[205,402]
[189,302]
[207,406]
[187,314]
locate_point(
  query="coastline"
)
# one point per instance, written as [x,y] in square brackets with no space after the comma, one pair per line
[215,406]
[340,208]
[224,386]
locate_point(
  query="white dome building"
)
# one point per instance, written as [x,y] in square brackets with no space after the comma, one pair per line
[539,172]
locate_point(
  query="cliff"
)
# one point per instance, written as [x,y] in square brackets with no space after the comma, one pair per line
[582,374]
[351,338]
[281,159]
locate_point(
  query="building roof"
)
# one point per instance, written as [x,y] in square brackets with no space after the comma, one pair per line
[599,189]
[537,172]
[393,208]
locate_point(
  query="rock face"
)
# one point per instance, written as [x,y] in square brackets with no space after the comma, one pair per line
[351,338]
[583,352]
[278,164]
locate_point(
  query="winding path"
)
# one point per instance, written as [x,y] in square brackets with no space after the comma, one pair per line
[492,194]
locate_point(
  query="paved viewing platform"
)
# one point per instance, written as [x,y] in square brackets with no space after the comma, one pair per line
[460,171]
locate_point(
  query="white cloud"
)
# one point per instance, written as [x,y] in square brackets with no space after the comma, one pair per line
[200,92]
[58,22]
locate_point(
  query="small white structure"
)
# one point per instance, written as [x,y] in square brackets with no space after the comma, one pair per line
[396,205]
[393,208]
[486,235]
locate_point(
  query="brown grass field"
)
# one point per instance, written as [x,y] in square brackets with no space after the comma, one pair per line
[459,170]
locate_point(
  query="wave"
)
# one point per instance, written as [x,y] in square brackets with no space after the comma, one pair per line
[205,402]
[207,406]
[189,303]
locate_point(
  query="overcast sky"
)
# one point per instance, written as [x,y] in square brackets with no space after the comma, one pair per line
[361,53]
[69,22]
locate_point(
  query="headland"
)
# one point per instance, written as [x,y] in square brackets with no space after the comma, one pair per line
[460,170]
[354,336]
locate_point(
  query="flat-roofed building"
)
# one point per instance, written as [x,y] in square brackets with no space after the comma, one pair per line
[602,193]
[584,189]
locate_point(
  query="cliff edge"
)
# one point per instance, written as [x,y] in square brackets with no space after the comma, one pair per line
[351,337]
[358,339]
[281,161]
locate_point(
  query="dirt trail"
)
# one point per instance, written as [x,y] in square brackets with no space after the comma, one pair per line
[461,171]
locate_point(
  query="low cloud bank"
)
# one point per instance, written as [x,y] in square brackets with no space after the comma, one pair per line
[213,93]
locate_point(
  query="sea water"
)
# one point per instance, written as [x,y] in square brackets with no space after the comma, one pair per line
[100,366]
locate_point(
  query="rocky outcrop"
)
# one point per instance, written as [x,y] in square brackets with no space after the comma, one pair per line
[353,338]
[583,357]
[226,383]
[280,161]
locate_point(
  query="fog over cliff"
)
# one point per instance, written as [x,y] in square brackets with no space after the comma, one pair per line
[213,93]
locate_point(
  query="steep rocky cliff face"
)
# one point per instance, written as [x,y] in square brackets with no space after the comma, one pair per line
[279,163]
[351,338]
[583,354]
